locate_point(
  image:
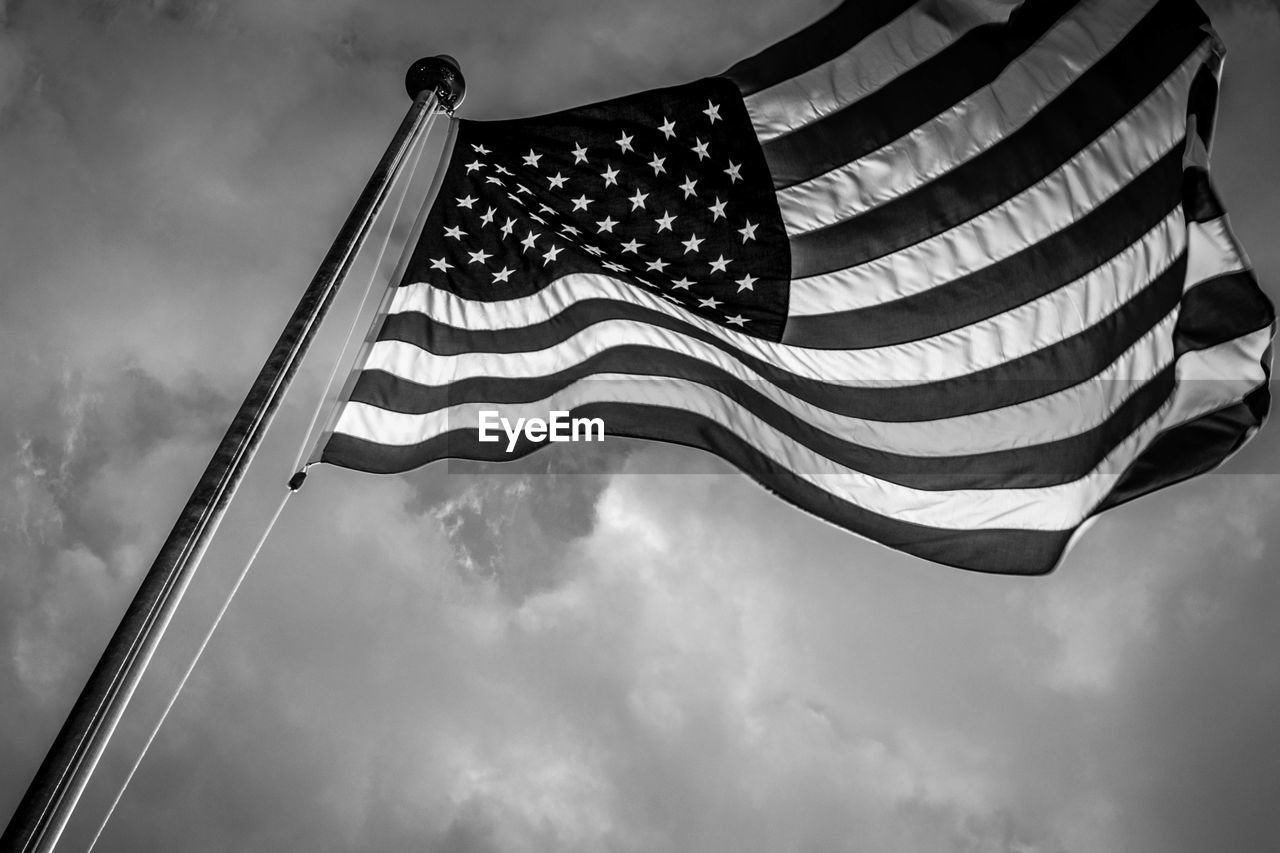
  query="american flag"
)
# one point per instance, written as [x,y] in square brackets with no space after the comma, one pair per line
[950,275]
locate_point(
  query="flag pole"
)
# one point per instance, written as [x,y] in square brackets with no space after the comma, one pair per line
[42,814]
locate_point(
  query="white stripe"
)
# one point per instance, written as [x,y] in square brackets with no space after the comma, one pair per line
[906,41]
[1052,204]
[957,136]
[1058,507]
[1022,330]
[1050,418]
[1212,378]
[1212,250]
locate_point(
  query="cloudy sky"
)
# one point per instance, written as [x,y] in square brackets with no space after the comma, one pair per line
[572,652]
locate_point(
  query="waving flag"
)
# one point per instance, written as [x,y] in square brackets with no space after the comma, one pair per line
[950,275]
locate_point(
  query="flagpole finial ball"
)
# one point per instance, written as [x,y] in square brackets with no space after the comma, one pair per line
[440,74]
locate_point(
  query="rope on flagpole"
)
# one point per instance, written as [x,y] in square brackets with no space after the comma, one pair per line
[182,682]
[415,156]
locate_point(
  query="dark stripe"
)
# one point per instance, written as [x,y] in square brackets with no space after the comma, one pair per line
[1217,311]
[1001,551]
[1203,101]
[1041,268]
[1199,200]
[1046,464]
[1036,374]
[911,99]
[1095,102]
[1192,448]
[1220,310]
[820,42]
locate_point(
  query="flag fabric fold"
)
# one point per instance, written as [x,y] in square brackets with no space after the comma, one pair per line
[950,275]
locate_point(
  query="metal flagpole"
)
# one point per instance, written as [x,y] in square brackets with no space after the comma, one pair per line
[51,797]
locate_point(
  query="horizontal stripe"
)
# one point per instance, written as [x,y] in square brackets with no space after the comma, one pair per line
[1002,232]
[1041,420]
[1060,133]
[1221,309]
[542,349]
[1192,448]
[915,35]
[1058,507]
[1198,197]
[1209,379]
[1089,177]
[1049,464]
[816,44]
[1080,90]
[1006,383]
[1149,201]
[1000,550]
[919,95]
[1212,251]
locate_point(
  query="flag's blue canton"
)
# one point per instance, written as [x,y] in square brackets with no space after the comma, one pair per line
[667,190]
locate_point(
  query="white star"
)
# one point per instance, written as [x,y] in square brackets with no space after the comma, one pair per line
[467,202]
[610,265]
[657,265]
[487,218]
[610,176]
[606,224]
[668,127]
[569,229]
[737,320]
[501,169]
[581,202]
[455,232]
[536,218]
[656,164]
[637,200]
[717,210]
[709,302]
[551,254]
[579,154]
[682,284]
[692,244]
[688,185]
[503,274]
[734,172]
[670,298]
[558,181]
[595,250]
[748,233]
[549,211]
[493,179]
[479,149]
[701,149]
[527,242]
[719,264]
[624,142]
[507,227]
[521,188]
[532,159]
[479,256]
[712,112]
[631,245]
[441,264]
[473,165]
[747,282]
[664,222]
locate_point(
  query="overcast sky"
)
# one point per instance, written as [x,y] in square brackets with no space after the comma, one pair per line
[571,652]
